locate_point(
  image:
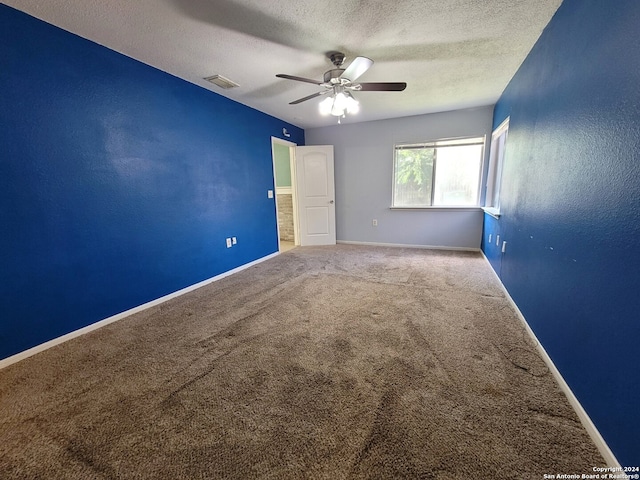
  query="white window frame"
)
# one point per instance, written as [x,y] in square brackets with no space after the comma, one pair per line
[445,142]
[496,168]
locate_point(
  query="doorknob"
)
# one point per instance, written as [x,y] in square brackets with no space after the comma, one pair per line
[330,201]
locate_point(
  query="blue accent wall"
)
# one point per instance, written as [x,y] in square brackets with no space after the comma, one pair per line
[571,207]
[491,243]
[118,182]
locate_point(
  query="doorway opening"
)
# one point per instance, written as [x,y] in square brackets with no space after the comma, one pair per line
[286,202]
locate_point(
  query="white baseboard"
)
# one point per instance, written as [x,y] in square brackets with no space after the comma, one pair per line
[404,245]
[588,424]
[101,323]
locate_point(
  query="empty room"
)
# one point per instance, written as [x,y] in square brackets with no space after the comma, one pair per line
[247,239]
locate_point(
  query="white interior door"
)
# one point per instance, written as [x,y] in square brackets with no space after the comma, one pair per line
[316,195]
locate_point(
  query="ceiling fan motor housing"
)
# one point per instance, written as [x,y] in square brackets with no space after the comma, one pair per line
[337,58]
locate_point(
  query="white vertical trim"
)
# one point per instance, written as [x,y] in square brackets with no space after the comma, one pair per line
[292,165]
[588,424]
[493,182]
[294,194]
[94,326]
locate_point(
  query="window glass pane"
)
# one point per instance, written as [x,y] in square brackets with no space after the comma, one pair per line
[457,175]
[413,177]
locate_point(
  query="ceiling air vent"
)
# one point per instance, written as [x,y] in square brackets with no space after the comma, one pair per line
[221,81]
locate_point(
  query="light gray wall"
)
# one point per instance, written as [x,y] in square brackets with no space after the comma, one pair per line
[363,177]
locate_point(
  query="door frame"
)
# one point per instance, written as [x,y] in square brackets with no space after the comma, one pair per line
[294,189]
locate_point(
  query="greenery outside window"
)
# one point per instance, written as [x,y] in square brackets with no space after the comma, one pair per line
[440,173]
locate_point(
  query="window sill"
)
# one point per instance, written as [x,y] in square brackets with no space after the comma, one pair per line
[439,209]
[494,212]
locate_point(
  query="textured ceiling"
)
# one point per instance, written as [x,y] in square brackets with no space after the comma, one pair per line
[453,54]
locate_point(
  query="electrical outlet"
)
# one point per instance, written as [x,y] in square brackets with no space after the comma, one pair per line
[374,222]
[234,240]
[269,193]
[228,243]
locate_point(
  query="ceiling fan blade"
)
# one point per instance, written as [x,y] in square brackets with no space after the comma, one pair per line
[357,68]
[383,87]
[299,79]
[308,97]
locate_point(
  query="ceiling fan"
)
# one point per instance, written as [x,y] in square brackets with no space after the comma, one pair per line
[340,82]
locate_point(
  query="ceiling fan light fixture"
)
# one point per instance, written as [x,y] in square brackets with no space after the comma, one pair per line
[326,106]
[353,106]
[339,104]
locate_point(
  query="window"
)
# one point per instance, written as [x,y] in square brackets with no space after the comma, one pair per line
[496,165]
[440,173]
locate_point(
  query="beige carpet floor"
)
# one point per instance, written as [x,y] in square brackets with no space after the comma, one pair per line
[342,362]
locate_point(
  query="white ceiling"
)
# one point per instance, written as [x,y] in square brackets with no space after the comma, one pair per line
[453,54]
